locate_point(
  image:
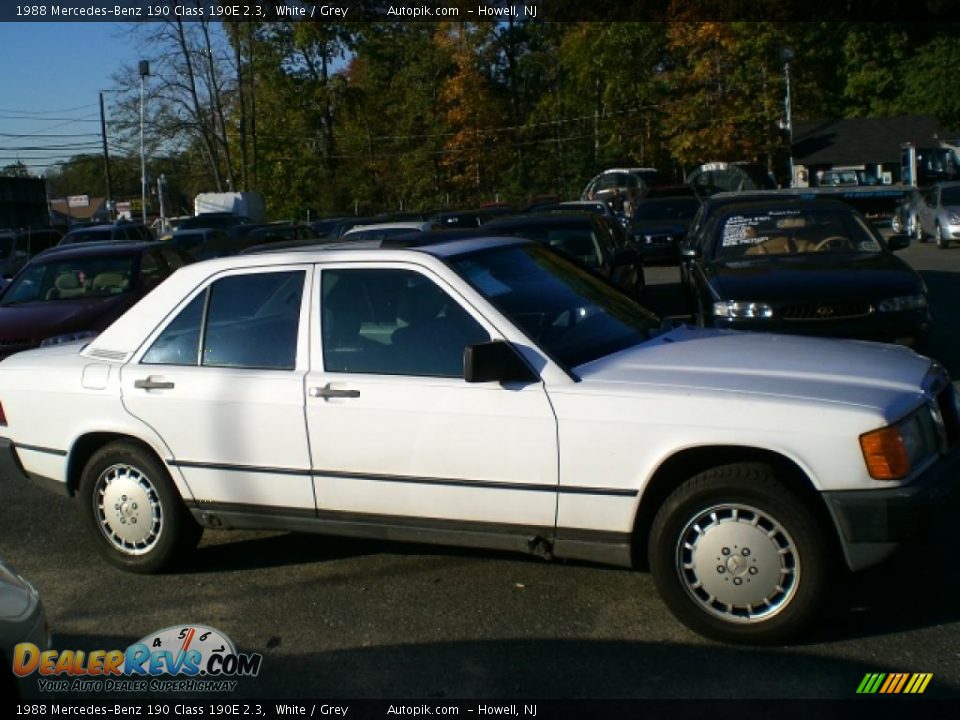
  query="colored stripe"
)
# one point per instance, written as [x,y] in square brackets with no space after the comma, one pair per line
[911,684]
[903,680]
[876,683]
[926,681]
[863,683]
[891,679]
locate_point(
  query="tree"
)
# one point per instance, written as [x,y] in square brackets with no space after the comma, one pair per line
[17,169]
[931,85]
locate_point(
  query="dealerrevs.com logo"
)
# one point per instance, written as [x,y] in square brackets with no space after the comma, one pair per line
[182,658]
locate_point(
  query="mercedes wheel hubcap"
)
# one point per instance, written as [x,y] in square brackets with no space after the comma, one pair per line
[128,509]
[738,563]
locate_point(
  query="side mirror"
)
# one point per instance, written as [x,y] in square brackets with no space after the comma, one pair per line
[495,361]
[898,242]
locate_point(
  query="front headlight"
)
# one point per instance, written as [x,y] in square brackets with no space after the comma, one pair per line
[738,310]
[893,452]
[904,302]
[68,337]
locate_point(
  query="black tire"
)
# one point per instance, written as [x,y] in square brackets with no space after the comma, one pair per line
[918,233]
[135,514]
[766,594]
[942,242]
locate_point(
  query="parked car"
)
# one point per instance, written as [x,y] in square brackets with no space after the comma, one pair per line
[938,214]
[134,232]
[597,207]
[22,620]
[213,220]
[847,178]
[456,219]
[487,392]
[627,184]
[598,244]
[813,268]
[382,231]
[18,246]
[74,292]
[660,224]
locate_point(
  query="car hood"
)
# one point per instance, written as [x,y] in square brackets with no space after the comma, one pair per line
[815,278]
[951,209]
[38,320]
[838,371]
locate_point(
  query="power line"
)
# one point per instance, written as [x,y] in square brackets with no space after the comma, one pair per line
[38,135]
[45,112]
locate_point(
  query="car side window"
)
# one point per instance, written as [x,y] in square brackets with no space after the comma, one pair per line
[393,322]
[251,321]
[175,258]
[151,270]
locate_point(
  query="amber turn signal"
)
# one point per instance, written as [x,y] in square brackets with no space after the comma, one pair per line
[885,454]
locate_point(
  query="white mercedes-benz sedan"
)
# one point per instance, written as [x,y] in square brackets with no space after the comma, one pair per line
[487,392]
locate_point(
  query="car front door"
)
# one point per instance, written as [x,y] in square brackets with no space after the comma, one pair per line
[397,433]
[222,384]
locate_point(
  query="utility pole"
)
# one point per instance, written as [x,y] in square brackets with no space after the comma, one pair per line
[106,157]
[786,55]
[144,71]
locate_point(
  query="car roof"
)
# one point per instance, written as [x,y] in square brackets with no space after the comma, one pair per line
[546,218]
[784,203]
[93,249]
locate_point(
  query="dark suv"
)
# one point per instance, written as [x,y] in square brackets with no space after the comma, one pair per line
[18,246]
[98,233]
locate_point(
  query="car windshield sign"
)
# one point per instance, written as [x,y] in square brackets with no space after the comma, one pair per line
[569,312]
[751,234]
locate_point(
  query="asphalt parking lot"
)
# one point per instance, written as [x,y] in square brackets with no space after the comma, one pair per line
[341,618]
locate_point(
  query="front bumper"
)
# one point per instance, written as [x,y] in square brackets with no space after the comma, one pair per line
[871,524]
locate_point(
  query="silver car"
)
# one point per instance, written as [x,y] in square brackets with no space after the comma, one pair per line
[22,620]
[938,214]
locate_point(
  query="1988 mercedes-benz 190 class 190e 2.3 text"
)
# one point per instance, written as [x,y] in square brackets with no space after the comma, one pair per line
[487,392]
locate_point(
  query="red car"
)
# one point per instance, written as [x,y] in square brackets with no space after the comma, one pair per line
[74,292]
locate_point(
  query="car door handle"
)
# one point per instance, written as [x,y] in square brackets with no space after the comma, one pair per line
[153,383]
[326,392]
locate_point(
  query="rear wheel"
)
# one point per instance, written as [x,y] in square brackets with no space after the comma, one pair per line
[737,556]
[135,513]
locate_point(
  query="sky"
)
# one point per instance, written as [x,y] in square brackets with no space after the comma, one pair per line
[49,90]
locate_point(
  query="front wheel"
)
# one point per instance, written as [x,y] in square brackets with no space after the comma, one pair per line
[942,241]
[136,515]
[738,557]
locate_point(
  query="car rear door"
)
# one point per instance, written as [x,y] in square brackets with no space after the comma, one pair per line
[222,384]
[397,433]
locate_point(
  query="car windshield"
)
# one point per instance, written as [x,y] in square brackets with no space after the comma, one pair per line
[758,233]
[569,312]
[91,235]
[71,279]
[950,195]
[680,208]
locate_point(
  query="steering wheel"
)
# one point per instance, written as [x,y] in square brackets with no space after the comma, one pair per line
[834,242]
